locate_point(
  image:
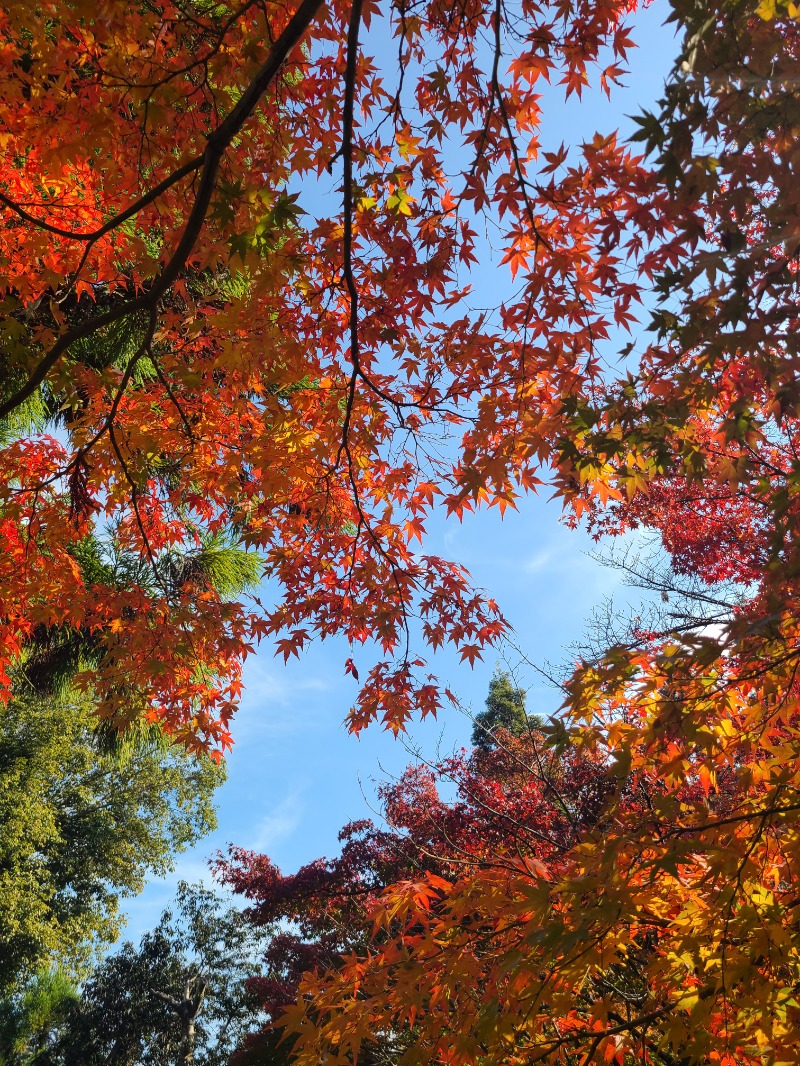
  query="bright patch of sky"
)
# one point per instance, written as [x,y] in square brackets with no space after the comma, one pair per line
[296,776]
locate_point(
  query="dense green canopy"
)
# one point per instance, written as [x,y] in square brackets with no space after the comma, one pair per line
[82,823]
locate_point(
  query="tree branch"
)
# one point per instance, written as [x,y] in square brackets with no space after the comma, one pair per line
[218,143]
[94,235]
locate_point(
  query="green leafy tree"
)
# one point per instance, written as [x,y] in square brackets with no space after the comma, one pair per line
[181,998]
[84,820]
[505,709]
[31,1016]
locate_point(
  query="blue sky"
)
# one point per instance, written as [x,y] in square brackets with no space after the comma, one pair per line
[296,776]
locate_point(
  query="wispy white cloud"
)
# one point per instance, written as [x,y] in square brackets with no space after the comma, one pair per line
[541,559]
[277,702]
[281,685]
[279,824]
[450,537]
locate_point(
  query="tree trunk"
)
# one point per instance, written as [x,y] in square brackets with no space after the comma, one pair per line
[187,1010]
[193,995]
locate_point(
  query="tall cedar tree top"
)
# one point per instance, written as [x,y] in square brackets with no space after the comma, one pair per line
[505,709]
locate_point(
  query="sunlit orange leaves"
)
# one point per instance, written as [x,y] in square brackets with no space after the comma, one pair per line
[221,358]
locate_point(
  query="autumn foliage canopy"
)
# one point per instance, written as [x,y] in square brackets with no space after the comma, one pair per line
[236,324]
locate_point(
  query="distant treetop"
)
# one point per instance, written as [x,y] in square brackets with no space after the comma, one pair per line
[505,709]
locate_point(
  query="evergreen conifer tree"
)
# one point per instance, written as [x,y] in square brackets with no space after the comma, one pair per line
[505,709]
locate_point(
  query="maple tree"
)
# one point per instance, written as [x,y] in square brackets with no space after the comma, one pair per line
[666,931]
[516,796]
[188,351]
